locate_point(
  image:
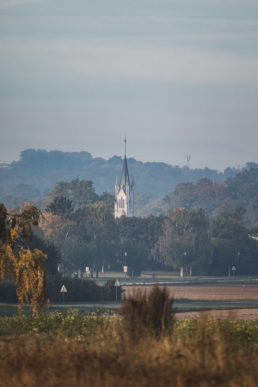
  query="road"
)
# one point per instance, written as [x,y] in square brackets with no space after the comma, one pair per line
[181,305]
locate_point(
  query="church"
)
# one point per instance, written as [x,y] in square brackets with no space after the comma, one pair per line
[124,193]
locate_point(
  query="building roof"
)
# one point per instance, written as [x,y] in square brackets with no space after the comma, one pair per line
[125,180]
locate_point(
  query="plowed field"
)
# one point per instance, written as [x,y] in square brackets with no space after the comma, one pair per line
[214,292]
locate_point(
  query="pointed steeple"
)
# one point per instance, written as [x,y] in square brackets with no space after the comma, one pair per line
[125,174]
[124,192]
[125,180]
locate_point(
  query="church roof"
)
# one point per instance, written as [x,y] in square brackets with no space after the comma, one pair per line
[125,174]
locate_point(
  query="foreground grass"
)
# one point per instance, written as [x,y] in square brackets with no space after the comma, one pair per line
[98,350]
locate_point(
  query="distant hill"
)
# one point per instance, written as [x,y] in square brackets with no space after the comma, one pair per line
[37,172]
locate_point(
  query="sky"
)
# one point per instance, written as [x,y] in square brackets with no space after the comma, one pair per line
[177,77]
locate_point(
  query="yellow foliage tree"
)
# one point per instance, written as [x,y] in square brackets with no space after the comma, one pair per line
[25,266]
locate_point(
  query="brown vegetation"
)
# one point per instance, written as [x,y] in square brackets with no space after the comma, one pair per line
[209,292]
[148,313]
[109,358]
[188,353]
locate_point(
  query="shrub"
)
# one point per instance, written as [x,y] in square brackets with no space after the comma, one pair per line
[148,313]
[77,290]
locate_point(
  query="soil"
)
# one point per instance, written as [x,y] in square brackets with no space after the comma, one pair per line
[206,292]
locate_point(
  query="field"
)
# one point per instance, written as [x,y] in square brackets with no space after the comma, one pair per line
[96,351]
[206,292]
[234,314]
[142,346]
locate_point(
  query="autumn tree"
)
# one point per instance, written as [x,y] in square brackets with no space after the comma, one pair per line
[18,261]
[204,194]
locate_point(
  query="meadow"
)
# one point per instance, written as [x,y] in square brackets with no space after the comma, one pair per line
[143,345]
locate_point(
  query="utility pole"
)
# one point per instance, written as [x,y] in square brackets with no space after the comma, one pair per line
[188,158]
[238,254]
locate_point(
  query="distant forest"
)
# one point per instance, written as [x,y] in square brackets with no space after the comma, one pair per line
[37,172]
[199,220]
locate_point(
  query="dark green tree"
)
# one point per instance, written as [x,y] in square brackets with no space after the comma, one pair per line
[230,237]
[185,241]
[102,233]
[80,192]
[60,206]
[143,234]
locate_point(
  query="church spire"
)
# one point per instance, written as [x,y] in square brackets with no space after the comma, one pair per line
[124,192]
[125,174]
[125,180]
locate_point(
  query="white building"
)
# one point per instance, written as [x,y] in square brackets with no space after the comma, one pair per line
[124,193]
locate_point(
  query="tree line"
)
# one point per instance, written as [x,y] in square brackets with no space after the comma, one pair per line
[37,172]
[199,234]
[208,228]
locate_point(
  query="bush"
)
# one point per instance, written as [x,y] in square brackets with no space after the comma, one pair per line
[77,290]
[151,313]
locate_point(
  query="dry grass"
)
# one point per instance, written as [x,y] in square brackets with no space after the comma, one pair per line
[202,357]
[195,353]
[148,313]
[208,292]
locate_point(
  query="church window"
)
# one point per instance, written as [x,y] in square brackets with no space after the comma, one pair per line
[121,203]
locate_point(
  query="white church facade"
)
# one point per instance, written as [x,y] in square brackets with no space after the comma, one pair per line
[124,193]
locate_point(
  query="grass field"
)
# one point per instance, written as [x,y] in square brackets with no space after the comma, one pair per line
[95,351]
[12,309]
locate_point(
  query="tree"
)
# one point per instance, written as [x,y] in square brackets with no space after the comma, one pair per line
[77,254]
[244,185]
[26,266]
[204,194]
[185,239]
[60,206]
[243,190]
[80,192]
[230,236]
[107,198]
[140,235]
[54,257]
[136,258]
[102,233]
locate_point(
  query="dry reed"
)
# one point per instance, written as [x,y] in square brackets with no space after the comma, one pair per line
[197,353]
[149,313]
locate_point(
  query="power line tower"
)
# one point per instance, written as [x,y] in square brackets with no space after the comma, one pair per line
[188,158]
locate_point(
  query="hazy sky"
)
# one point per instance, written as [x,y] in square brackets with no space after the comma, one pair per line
[178,77]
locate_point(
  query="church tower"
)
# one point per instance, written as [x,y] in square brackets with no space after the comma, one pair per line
[124,193]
